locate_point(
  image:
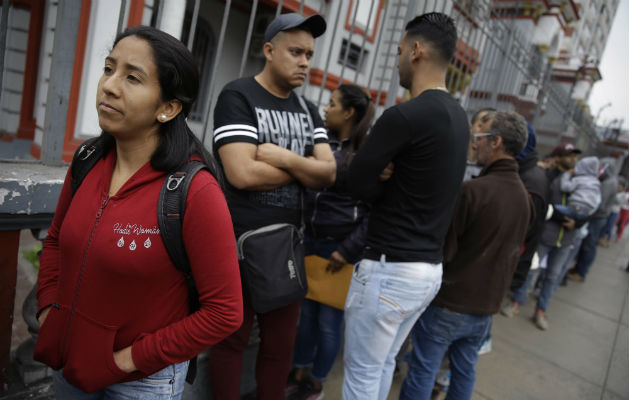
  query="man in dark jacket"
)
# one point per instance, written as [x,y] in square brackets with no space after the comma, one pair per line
[492,216]
[555,240]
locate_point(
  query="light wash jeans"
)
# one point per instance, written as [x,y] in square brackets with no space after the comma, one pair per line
[384,301]
[166,384]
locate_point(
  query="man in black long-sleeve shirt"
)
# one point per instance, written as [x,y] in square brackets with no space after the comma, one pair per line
[426,138]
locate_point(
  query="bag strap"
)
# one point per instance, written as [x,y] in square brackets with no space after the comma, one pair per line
[171,210]
[84,159]
[312,126]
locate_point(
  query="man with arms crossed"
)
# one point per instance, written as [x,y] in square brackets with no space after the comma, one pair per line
[270,148]
[426,138]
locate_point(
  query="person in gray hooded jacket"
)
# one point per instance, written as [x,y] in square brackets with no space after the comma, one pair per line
[588,251]
[583,188]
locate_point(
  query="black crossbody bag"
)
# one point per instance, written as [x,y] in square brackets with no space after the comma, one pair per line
[271,259]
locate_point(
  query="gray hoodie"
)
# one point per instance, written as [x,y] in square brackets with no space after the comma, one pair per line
[584,187]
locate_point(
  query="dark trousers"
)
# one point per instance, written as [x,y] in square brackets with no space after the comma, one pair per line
[588,251]
[277,336]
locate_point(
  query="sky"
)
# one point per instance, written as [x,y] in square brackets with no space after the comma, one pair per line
[614,86]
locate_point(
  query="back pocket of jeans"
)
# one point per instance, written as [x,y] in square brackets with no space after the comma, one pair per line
[399,298]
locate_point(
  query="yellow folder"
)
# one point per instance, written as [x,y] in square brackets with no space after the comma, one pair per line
[326,287]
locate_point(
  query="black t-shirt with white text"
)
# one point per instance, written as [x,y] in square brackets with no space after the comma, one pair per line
[247,112]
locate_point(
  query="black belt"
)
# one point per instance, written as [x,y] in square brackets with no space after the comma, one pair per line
[374,255]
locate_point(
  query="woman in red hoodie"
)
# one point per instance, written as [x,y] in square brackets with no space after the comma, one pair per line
[113,308]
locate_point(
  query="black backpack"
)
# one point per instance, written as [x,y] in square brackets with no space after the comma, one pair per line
[171,209]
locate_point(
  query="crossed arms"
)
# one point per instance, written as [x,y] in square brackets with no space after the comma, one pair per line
[267,166]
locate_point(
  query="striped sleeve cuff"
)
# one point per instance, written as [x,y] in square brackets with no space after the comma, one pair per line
[235,133]
[320,135]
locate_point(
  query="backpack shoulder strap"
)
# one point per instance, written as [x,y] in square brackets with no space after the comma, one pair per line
[171,210]
[84,159]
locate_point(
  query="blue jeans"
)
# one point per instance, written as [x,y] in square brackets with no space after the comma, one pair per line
[438,330]
[166,384]
[384,301]
[556,262]
[607,231]
[319,333]
[568,211]
[588,251]
[319,338]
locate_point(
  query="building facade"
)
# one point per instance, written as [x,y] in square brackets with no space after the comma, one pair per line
[537,57]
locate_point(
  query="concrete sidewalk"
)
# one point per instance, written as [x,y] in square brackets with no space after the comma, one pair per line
[583,354]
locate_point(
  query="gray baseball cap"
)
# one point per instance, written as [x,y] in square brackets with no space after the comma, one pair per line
[315,24]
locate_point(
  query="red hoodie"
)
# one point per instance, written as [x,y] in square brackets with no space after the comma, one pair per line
[111,283]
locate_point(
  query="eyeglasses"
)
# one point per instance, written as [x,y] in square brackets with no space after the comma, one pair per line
[476,136]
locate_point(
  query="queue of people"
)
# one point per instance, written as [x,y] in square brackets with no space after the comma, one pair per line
[120,320]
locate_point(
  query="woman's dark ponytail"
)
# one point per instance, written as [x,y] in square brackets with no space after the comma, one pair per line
[359,99]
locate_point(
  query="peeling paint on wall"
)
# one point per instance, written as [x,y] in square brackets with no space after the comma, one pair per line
[29,189]
[3,194]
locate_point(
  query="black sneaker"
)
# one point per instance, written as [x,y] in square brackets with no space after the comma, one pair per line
[306,391]
[292,385]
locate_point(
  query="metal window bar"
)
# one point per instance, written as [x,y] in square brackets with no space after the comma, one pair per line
[217,58]
[193,26]
[505,49]
[379,40]
[279,8]
[332,43]
[394,20]
[308,71]
[365,35]
[121,16]
[469,60]
[62,65]
[452,73]
[349,43]
[160,12]
[394,79]
[459,72]
[250,27]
